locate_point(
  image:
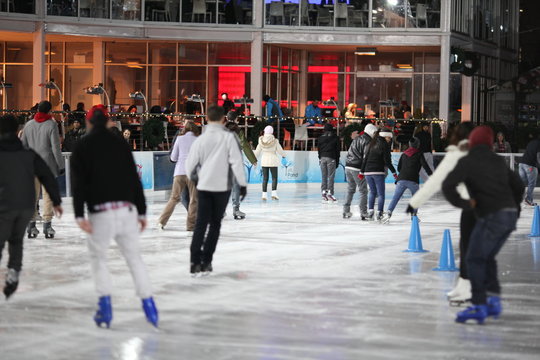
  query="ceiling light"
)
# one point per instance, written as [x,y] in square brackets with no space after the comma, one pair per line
[365,51]
[404,66]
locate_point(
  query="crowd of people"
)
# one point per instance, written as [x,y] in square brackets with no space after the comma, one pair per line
[210,166]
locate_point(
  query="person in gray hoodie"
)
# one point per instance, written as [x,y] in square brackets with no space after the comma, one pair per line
[41,135]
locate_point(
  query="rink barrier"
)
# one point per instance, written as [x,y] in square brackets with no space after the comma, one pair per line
[446,257]
[156,170]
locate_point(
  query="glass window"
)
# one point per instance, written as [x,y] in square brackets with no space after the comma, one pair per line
[61,8]
[2,90]
[1,51]
[283,95]
[161,85]
[389,13]
[432,63]
[274,51]
[95,8]
[125,53]
[454,114]
[326,62]
[191,80]
[368,93]
[285,58]
[295,93]
[385,61]
[358,13]
[80,52]
[417,96]
[77,78]
[56,74]
[236,12]
[20,96]
[198,11]
[321,14]
[126,9]
[229,53]
[162,10]
[54,52]
[120,80]
[162,53]
[281,13]
[233,80]
[296,60]
[192,53]
[19,52]
[424,14]
[431,96]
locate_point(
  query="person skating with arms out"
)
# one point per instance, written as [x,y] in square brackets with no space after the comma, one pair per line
[115,212]
[495,197]
[19,167]
[214,159]
[410,163]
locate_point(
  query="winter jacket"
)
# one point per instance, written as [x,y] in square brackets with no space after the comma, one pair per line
[246,148]
[531,156]
[502,148]
[410,164]
[19,167]
[43,138]
[214,158]
[312,113]
[274,111]
[180,152]
[434,183]
[425,141]
[377,158]
[103,170]
[489,181]
[270,149]
[329,146]
[357,151]
[72,137]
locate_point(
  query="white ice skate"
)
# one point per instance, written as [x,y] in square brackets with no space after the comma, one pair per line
[264,196]
[461,293]
[331,198]
[324,198]
[386,217]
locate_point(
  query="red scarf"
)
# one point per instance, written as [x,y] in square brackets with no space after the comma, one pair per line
[411,151]
[42,117]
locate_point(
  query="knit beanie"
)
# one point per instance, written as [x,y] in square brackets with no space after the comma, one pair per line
[268,130]
[328,127]
[385,134]
[482,135]
[414,142]
[370,129]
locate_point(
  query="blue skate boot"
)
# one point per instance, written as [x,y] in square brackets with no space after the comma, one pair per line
[150,311]
[475,312]
[494,307]
[104,312]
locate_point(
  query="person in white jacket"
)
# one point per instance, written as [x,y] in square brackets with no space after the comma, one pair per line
[213,160]
[270,149]
[454,153]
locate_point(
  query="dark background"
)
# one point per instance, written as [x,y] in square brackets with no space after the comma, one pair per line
[529,37]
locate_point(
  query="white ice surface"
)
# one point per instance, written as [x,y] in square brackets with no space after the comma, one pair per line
[292,281]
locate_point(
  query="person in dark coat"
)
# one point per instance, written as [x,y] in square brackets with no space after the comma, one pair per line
[329,147]
[410,163]
[73,136]
[426,148]
[528,169]
[19,166]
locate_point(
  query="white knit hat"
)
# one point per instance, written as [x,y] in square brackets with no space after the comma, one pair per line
[370,129]
[268,130]
[385,134]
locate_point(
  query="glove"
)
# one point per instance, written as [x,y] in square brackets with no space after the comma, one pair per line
[61,172]
[395,176]
[361,176]
[409,210]
[243,192]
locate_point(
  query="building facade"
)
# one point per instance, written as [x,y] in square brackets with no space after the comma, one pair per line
[368,52]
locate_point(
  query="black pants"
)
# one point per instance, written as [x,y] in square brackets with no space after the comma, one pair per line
[210,211]
[466,226]
[273,170]
[12,228]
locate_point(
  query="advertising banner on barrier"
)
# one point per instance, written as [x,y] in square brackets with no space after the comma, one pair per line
[144,161]
[303,167]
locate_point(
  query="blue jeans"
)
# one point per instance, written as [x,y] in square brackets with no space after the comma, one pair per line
[401,186]
[528,175]
[376,190]
[487,239]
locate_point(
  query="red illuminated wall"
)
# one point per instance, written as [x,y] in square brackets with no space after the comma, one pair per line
[232,80]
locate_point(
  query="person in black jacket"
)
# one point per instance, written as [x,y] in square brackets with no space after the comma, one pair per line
[528,169]
[329,147]
[377,159]
[18,167]
[410,163]
[101,159]
[353,166]
[425,148]
[73,136]
[495,194]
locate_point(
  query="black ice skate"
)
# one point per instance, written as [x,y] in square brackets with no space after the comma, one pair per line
[195,269]
[347,214]
[32,230]
[12,281]
[237,214]
[370,215]
[48,230]
[206,269]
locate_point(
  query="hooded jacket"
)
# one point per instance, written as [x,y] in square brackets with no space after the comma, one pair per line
[377,158]
[358,148]
[18,167]
[329,146]
[410,163]
[270,148]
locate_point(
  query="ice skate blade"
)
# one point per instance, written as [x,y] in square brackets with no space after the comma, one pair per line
[107,324]
[457,303]
[239,217]
[275,198]
[49,236]
[464,321]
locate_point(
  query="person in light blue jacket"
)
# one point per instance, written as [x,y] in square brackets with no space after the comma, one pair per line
[273,110]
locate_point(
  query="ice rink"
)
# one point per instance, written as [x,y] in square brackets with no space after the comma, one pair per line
[292,281]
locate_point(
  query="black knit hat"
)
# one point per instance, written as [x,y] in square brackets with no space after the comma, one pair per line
[328,127]
[44,106]
[414,142]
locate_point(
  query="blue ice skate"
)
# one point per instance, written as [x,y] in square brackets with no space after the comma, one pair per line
[150,311]
[475,312]
[104,312]
[494,307]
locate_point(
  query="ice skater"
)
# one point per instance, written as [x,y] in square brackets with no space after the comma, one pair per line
[496,193]
[19,167]
[250,156]
[213,160]
[528,169]
[329,151]
[353,167]
[376,159]
[270,149]
[425,147]
[179,154]
[100,160]
[458,148]
[409,166]
[41,135]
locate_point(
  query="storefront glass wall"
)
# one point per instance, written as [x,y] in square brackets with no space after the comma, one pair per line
[19,6]
[281,76]
[16,69]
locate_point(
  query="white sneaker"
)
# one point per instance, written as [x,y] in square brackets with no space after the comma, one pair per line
[274,195]
[461,292]
[264,196]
